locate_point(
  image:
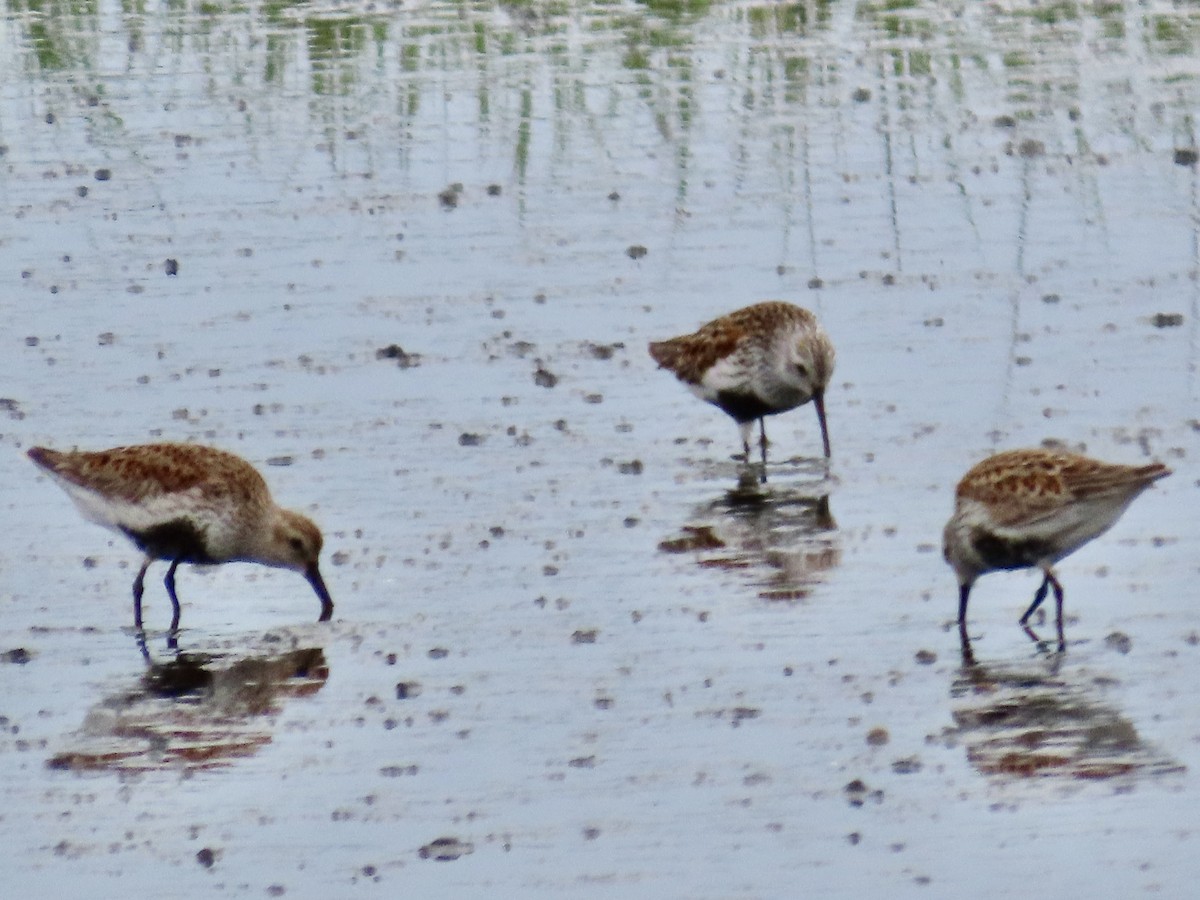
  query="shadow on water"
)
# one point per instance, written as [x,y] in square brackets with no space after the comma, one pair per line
[1044,718]
[196,711]
[786,531]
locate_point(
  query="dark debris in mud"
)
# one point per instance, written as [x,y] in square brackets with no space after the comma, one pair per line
[858,793]
[602,351]
[446,849]
[449,197]
[1166,320]
[406,690]
[404,360]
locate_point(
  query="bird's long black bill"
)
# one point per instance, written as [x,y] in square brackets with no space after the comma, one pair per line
[819,403]
[313,574]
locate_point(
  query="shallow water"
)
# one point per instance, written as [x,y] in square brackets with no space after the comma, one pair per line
[572,654]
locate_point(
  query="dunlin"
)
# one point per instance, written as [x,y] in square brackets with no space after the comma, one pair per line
[755,362]
[1029,509]
[186,503]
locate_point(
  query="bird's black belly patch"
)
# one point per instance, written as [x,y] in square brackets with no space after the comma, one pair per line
[1005,553]
[742,406]
[178,539]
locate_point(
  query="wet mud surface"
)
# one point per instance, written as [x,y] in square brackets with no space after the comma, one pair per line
[407,259]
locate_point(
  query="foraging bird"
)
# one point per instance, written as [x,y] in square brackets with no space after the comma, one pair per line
[187,503]
[1029,509]
[756,362]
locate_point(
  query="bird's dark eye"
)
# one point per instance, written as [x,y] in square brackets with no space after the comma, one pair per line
[802,370]
[296,544]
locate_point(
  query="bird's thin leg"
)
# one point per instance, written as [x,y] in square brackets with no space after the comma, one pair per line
[141,642]
[169,581]
[762,443]
[139,586]
[965,649]
[1058,603]
[1041,595]
[745,428]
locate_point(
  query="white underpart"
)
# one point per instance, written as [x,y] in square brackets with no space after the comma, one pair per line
[120,515]
[1065,528]
[769,375]
[729,373]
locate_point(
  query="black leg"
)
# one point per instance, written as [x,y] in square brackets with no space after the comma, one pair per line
[1040,596]
[964,646]
[141,642]
[762,443]
[139,587]
[1058,603]
[169,581]
[964,594]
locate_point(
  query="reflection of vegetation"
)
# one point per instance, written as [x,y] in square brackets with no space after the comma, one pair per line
[787,18]
[1175,34]
[677,9]
[523,132]
[360,59]
[333,48]
[1052,13]
[61,33]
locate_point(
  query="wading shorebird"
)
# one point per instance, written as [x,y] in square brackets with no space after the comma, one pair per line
[1030,508]
[187,503]
[755,362]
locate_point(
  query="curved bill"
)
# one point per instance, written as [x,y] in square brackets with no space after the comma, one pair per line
[819,403]
[313,574]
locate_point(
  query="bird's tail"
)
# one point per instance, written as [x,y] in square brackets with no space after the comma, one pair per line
[665,353]
[45,458]
[1152,472]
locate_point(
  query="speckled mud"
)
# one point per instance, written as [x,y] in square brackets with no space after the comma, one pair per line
[407,258]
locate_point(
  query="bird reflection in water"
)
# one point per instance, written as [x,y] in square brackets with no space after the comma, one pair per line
[1041,718]
[789,532]
[195,711]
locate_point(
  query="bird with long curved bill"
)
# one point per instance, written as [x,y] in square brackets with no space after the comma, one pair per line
[186,503]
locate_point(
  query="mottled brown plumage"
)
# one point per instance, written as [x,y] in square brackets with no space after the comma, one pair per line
[758,361]
[134,474]
[187,503]
[1031,508]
